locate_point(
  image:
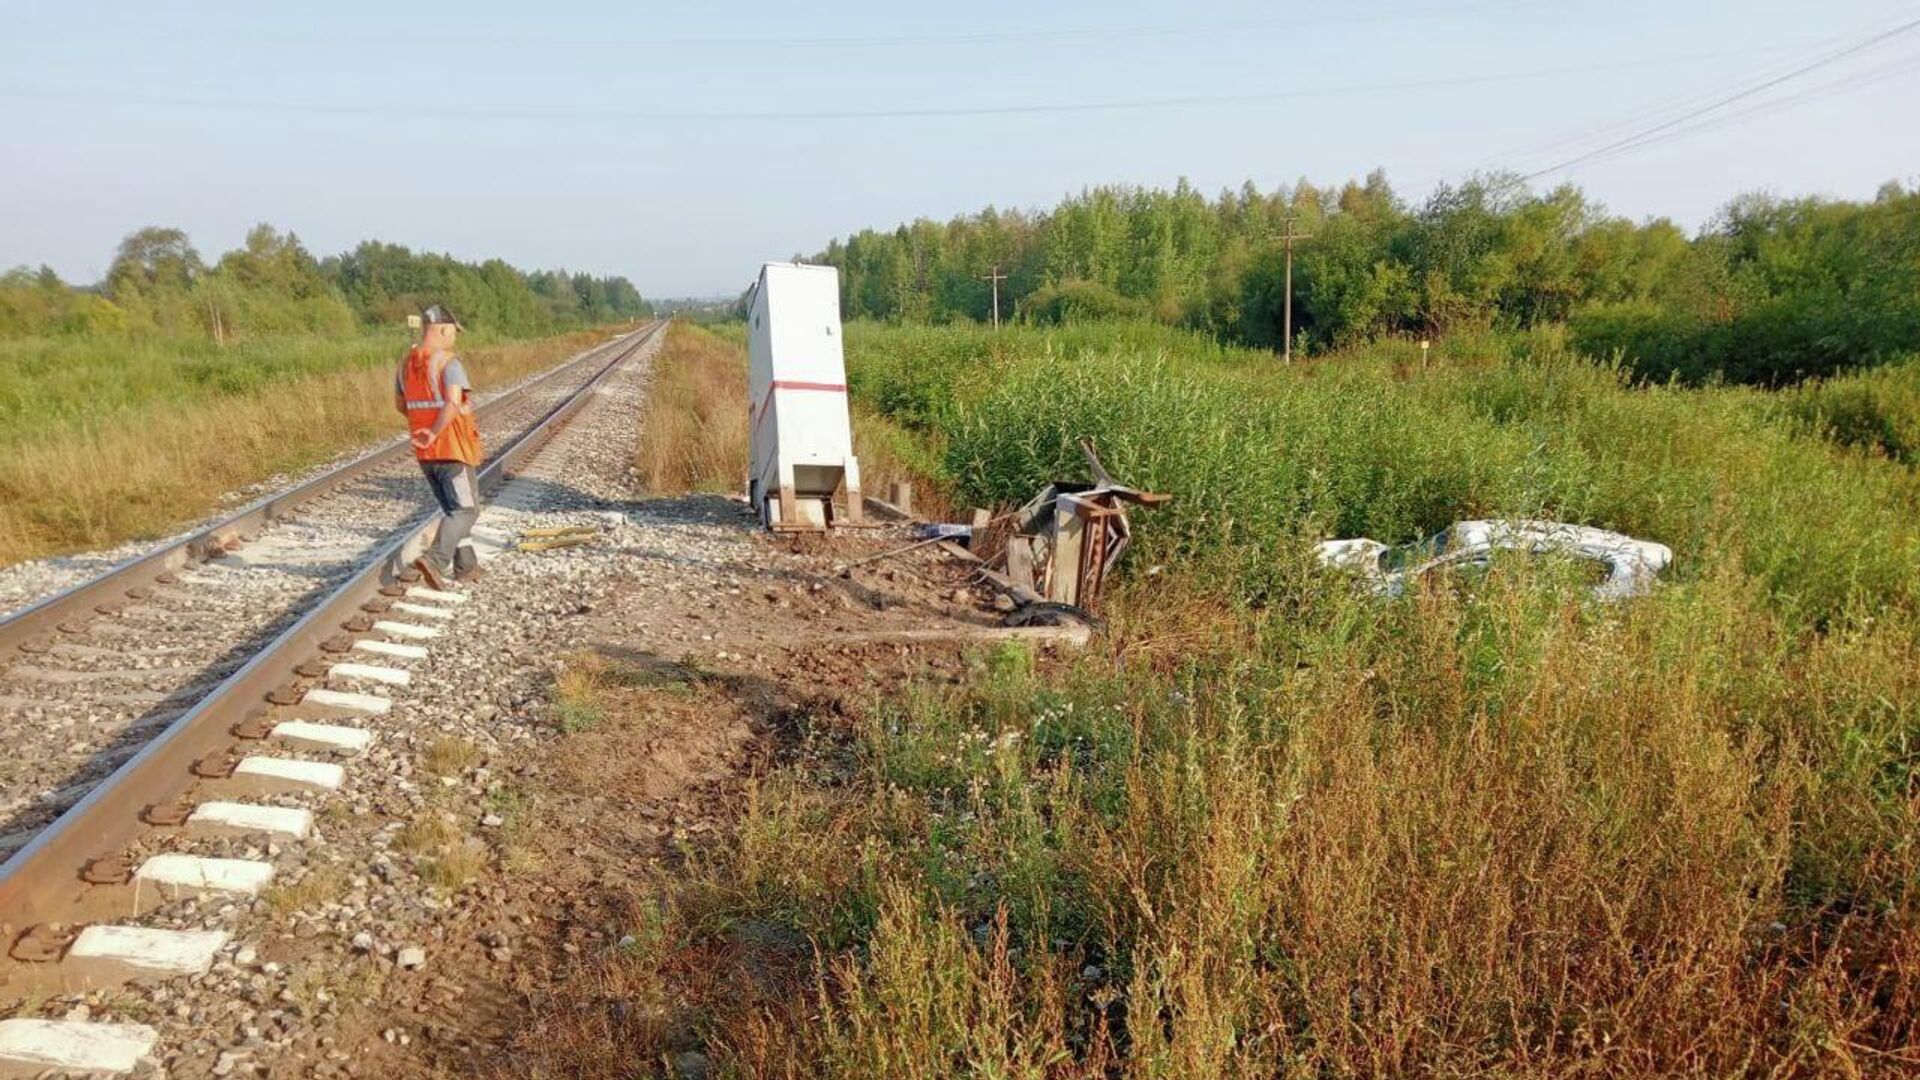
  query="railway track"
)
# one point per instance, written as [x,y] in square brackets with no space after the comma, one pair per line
[192,692]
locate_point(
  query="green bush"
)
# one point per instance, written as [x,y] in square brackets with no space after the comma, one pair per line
[1080,301]
[1876,411]
[1263,459]
[1770,292]
[1268,825]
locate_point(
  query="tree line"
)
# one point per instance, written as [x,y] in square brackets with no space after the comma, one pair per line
[160,285]
[1770,290]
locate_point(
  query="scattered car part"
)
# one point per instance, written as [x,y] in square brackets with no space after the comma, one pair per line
[1048,613]
[1068,538]
[1632,565]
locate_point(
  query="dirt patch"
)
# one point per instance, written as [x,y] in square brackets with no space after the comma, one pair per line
[687,687]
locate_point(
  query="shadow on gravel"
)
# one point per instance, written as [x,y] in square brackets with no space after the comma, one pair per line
[538,494]
[703,509]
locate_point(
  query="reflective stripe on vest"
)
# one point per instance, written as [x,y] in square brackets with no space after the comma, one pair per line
[421,379]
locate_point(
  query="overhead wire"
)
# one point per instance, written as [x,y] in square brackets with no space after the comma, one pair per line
[1667,105]
[574,112]
[1895,69]
[1722,101]
[961,38]
[1680,117]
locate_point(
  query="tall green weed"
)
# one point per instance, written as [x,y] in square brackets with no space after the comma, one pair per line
[1264,459]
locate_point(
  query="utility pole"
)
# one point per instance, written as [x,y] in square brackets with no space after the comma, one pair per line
[1286,355]
[996,277]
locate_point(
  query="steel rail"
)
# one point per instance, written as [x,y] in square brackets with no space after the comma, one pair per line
[42,617]
[42,883]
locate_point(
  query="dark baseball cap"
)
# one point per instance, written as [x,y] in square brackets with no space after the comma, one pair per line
[437,314]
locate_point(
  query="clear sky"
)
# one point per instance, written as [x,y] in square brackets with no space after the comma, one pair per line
[683,144]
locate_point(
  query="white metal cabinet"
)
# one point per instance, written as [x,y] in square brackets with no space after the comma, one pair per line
[802,437]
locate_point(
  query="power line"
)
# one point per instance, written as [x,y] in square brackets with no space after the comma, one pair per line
[1859,80]
[1729,99]
[1659,107]
[965,38]
[1505,169]
[578,113]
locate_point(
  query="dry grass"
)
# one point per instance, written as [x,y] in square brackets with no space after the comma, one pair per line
[694,437]
[696,432]
[578,691]
[448,755]
[1272,827]
[455,866]
[319,885]
[151,470]
[316,987]
[1412,858]
[428,834]
[522,826]
[445,855]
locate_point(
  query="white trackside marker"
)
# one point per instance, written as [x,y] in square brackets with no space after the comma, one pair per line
[438,596]
[422,610]
[407,630]
[72,1046]
[323,736]
[370,672]
[290,773]
[231,817]
[145,953]
[196,874]
[338,699]
[390,648]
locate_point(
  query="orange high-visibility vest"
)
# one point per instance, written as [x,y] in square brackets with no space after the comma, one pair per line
[420,383]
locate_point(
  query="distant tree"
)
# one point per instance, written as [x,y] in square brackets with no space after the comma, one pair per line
[159,285]
[154,258]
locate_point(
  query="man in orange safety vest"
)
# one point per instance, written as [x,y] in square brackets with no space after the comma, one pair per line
[432,391]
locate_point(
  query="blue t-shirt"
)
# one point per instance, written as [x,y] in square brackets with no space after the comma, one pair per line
[454,375]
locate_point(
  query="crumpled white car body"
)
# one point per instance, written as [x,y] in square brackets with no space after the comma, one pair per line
[1632,565]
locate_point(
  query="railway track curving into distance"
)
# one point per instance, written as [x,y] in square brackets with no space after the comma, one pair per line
[124,696]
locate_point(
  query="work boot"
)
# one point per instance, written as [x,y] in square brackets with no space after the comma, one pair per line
[431,573]
[468,574]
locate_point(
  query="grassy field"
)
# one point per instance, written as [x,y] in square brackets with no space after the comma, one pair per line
[694,437]
[697,426]
[1273,828]
[101,443]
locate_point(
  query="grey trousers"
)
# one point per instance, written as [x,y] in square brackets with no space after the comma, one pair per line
[457,491]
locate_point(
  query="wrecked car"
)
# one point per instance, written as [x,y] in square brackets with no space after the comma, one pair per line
[1629,566]
[1067,539]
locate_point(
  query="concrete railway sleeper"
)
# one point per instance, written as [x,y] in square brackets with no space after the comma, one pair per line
[202,806]
[94,665]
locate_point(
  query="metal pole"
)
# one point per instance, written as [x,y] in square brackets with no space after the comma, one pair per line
[996,277]
[1286,353]
[1286,356]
